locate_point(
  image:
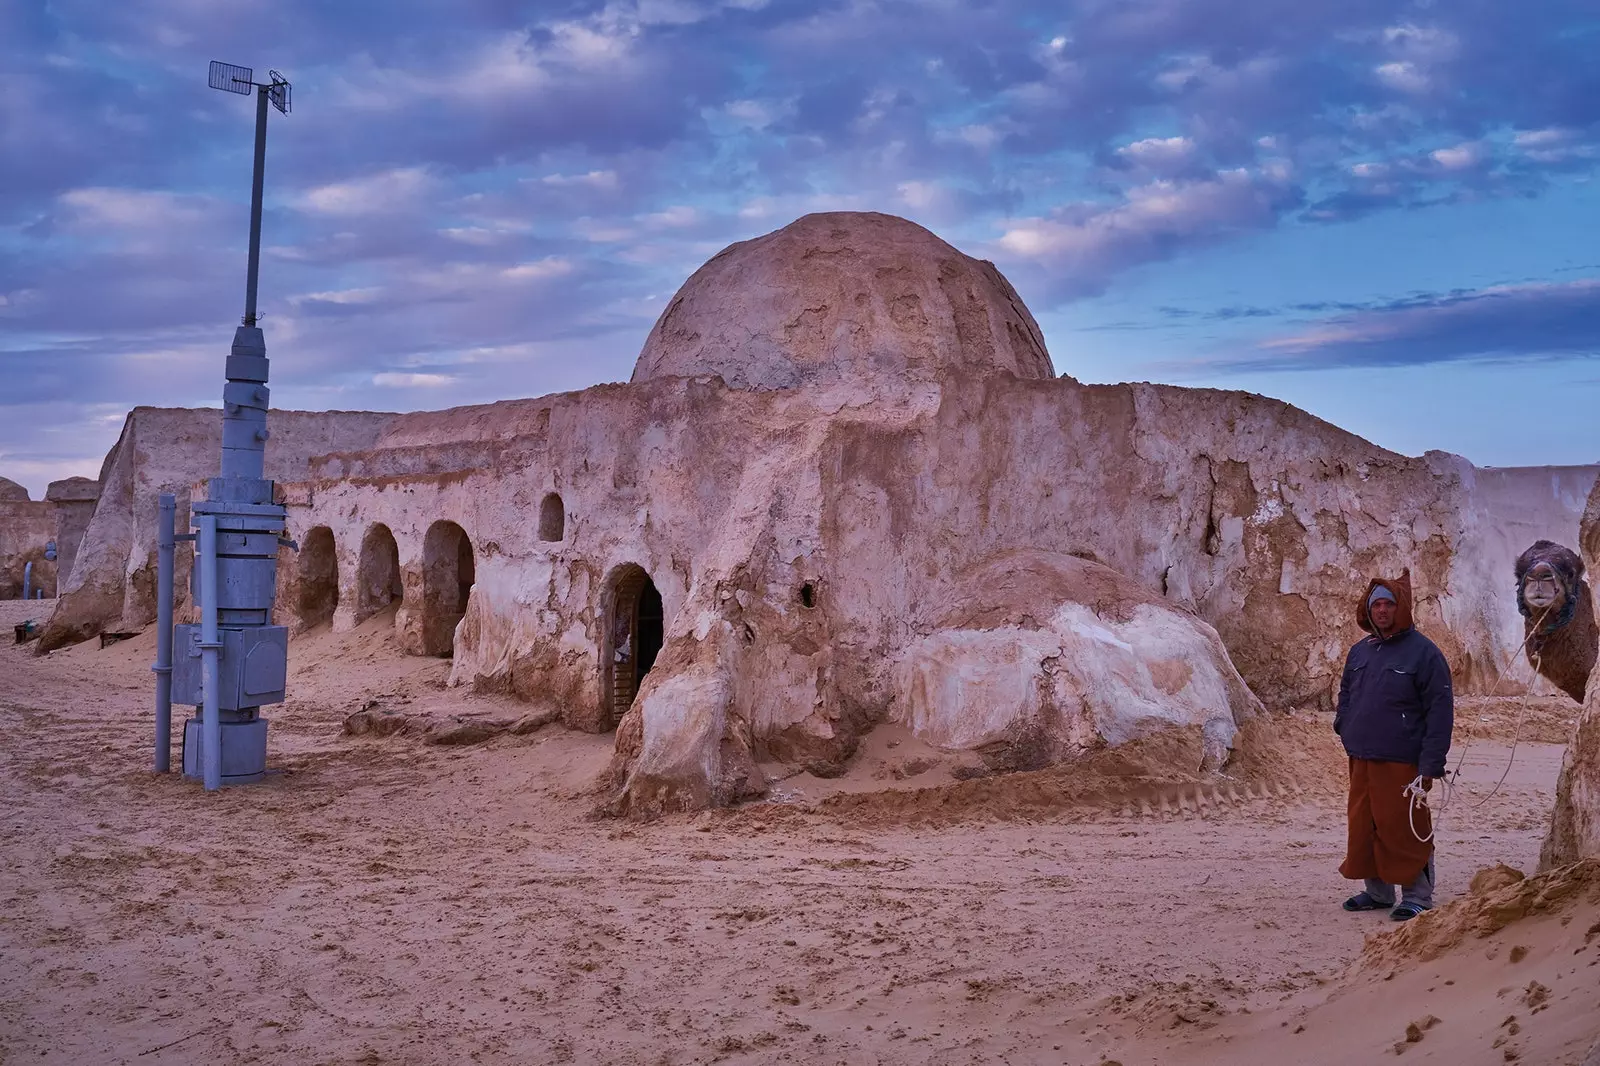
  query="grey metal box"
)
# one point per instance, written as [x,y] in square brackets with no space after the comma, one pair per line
[244,750]
[253,666]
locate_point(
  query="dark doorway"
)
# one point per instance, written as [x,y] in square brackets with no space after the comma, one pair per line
[552,518]
[319,578]
[448,573]
[378,584]
[635,629]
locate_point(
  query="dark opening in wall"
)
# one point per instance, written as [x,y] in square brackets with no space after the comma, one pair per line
[378,584]
[552,518]
[808,595]
[635,628]
[318,567]
[448,574]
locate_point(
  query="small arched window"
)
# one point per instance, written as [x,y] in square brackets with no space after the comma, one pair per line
[552,518]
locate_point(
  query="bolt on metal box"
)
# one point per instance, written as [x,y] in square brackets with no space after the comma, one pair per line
[253,666]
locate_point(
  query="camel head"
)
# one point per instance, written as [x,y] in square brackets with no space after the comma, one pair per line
[1558,616]
[1549,582]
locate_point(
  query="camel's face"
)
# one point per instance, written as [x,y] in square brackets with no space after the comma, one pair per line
[1549,577]
[1541,587]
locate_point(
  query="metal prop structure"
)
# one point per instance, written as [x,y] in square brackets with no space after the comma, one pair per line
[235,661]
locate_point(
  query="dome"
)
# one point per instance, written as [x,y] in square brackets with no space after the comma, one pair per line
[842,297]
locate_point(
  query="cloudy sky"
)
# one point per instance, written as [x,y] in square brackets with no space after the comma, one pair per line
[1385,212]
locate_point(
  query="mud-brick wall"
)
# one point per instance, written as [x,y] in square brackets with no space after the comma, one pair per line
[73,499]
[26,527]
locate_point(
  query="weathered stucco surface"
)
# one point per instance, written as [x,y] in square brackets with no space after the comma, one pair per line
[843,299]
[1575,825]
[1041,658]
[831,430]
[112,584]
[74,499]
[26,526]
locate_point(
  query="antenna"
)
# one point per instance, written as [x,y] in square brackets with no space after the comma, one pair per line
[278,92]
[235,661]
[231,79]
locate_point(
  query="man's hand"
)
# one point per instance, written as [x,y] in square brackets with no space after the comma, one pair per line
[1427,784]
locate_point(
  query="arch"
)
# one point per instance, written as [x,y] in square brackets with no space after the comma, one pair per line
[552,517]
[318,569]
[378,584]
[635,626]
[448,574]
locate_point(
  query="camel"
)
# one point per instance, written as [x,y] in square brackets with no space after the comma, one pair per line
[1557,608]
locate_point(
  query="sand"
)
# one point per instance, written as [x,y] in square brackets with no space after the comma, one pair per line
[384,899]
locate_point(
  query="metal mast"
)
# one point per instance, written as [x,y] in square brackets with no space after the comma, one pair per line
[235,661]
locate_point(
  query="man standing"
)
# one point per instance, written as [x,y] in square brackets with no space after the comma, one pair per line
[1395,716]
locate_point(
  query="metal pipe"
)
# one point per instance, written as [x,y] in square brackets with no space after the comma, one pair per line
[255,206]
[210,649]
[27,580]
[165,539]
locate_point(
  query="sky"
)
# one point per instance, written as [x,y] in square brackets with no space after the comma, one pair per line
[1383,212]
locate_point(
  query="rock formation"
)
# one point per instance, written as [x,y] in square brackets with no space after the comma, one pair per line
[1561,639]
[1041,658]
[843,476]
[1575,824]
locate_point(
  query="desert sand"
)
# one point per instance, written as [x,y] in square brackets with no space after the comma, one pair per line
[389,899]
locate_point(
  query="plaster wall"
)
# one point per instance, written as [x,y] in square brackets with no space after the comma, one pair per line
[26,526]
[1254,515]
[112,584]
[74,499]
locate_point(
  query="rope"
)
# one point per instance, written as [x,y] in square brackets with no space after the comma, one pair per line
[1516,738]
[1417,796]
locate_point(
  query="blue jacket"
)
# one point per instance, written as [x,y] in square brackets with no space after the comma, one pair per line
[1395,702]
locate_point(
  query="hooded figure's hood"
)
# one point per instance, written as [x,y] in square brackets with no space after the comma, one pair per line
[1401,587]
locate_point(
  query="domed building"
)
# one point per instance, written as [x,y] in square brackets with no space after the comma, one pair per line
[845,488]
[853,298]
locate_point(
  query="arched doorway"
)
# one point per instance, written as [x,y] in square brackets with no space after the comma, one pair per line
[552,518]
[318,571]
[378,584]
[448,574]
[635,625]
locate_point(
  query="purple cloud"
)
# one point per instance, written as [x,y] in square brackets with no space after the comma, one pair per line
[1081,246]
[1542,320]
[440,163]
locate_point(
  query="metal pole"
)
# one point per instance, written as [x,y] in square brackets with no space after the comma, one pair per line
[255,206]
[166,522]
[210,647]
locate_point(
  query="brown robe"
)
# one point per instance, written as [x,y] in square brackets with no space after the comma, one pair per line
[1381,843]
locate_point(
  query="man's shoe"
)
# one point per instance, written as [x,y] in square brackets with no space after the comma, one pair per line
[1363,901]
[1406,911]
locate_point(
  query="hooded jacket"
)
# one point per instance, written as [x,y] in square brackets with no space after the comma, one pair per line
[1395,698]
